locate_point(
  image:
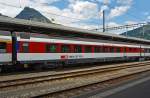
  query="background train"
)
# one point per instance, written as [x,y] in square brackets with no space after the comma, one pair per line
[42,50]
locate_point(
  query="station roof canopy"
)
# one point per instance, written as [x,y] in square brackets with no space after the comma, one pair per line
[21,25]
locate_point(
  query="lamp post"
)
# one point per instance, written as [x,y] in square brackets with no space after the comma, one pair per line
[103,20]
[103,12]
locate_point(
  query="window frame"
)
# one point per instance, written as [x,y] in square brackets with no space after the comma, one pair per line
[3,49]
[86,50]
[27,50]
[69,48]
[48,50]
[79,50]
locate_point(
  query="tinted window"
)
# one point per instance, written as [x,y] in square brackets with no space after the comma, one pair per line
[101,49]
[124,49]
[147,50]
[97,49]
[88,49]
[118,49]
[2,47]
[25,47]
[77,49]
[112,49]
[52,48]
[65,48]
[105,49]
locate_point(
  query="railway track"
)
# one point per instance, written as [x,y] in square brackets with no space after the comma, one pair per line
[41,78]
[38,85]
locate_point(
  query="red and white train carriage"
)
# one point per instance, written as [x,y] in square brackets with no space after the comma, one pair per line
[51,50]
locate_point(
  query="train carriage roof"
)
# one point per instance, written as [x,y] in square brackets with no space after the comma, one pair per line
[21,25]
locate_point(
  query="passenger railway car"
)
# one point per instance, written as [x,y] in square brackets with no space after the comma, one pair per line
[57,51]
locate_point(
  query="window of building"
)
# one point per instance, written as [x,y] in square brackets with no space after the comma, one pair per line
[65,48]
[2,47]
[52,48]
[77,49]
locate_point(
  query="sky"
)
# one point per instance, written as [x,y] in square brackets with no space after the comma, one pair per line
[85,14]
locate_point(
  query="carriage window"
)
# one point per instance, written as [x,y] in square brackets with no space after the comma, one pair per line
[51,48]
[118,49]
[78,49]
[112,49]
[101,49]
[125,49]
[88,49]
[147,50]
[2,47]
[105,49]
[65,49]
[25,47]
[97,49]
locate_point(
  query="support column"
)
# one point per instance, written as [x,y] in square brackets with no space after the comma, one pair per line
[14,48]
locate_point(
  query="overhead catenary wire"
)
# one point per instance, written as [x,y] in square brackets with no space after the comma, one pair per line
[123,26]
[127,25]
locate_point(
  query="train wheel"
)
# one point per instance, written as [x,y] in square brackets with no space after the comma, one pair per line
[3,69]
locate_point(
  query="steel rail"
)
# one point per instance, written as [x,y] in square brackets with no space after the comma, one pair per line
[32,80]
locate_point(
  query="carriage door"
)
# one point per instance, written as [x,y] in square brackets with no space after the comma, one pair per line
[25,47]
[2,47]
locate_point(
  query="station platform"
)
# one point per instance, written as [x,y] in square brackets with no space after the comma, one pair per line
[139,88]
